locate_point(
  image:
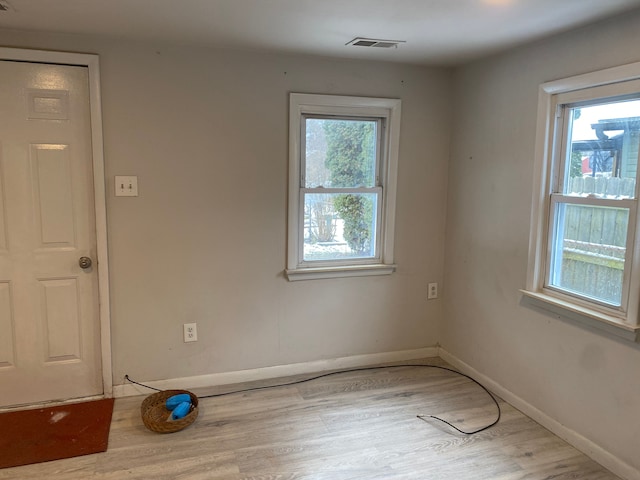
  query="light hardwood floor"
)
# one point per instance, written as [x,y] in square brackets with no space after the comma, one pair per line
[349,426]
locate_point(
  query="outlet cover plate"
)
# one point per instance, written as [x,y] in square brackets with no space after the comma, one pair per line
[190,332]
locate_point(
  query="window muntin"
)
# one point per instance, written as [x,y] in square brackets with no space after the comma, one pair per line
[592,217]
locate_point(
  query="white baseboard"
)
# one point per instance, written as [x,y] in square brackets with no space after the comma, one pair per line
[594,451]
[228,378]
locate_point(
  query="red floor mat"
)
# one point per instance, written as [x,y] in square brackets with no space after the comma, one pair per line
[63,431]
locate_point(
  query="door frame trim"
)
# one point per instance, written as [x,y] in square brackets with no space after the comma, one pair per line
[91,61]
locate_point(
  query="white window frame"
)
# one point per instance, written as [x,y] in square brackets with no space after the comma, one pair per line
[620,321]
[388,112]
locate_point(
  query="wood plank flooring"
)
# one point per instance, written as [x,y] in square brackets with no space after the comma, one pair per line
[350,426]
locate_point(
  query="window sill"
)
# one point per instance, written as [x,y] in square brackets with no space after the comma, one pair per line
[316,273]
[592,318]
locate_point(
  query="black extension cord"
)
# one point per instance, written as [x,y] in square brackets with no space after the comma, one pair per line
[362,369]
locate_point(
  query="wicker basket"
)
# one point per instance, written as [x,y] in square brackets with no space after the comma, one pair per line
[155,413]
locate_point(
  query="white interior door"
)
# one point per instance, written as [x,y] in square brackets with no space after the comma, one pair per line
[49,310]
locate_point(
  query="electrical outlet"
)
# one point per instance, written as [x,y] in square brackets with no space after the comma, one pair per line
[190,331]
[432,291]
[126,186]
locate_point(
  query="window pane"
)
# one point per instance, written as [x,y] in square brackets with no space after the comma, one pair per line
[339,226]
[603,158]
[588,252]
[340,153]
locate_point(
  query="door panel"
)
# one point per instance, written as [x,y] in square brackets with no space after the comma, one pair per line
[61,319]
[49,320]
[52,189]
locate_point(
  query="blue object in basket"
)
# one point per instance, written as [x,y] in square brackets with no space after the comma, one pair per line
[181,410]
[174,401]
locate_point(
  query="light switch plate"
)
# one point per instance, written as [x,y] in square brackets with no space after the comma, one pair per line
[126,186]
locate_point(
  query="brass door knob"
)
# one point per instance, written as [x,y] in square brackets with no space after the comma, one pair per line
[85,262]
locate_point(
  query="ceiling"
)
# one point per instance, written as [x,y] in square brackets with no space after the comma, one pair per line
[436,32]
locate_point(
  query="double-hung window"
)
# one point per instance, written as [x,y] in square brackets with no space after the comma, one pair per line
[585,255]
[342,184]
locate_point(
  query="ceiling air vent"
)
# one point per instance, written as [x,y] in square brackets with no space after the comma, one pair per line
[372,42]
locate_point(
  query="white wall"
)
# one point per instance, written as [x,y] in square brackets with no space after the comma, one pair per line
[206,133]
[584,380]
